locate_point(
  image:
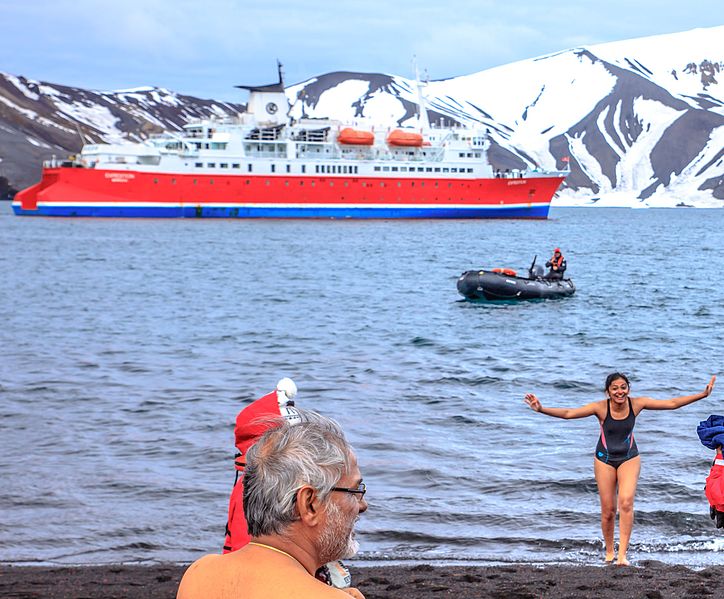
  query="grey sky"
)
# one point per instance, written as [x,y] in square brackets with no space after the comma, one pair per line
[205,47]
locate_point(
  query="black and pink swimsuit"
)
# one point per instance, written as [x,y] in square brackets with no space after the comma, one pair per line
[616,444]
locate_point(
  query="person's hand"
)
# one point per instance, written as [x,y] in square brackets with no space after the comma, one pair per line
[354,592]
[533,402]
[709,387]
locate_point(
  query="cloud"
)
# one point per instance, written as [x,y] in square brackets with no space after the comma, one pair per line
[204,48]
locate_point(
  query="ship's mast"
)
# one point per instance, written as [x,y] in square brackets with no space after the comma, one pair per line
[422,114]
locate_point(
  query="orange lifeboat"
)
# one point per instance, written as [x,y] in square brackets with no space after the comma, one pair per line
[405,138]
[353,137]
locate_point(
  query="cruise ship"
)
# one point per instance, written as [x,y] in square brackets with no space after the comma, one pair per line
[265,164]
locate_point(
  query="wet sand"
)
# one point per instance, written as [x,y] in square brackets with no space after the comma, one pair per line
[647,580]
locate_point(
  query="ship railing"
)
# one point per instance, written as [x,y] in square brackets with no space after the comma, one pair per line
[265,154]
[71,160]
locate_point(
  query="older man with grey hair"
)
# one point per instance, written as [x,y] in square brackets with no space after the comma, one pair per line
[303,493]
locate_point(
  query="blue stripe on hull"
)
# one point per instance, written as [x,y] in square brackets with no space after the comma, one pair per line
[120,211]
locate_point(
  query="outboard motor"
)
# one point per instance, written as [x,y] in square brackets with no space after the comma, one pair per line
[535,271]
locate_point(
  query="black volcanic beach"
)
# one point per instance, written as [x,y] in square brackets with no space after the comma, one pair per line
[650,580]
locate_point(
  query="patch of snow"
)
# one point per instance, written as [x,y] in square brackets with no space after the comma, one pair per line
[22,87]
[24,111]
[47,90]
[98,117]
[36,143]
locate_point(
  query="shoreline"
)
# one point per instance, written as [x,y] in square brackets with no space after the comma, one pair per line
[647,579]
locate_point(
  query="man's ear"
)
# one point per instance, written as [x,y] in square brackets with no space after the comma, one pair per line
[309,505]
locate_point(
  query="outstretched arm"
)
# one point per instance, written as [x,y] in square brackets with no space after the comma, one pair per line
[567,413]
[648,403]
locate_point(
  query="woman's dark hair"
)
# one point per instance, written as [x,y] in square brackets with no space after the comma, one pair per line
[612,377]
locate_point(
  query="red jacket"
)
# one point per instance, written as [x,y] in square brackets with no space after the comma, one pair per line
[251,423]
[715,484]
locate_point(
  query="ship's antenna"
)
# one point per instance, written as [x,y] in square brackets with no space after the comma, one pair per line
[422,115]
[280,68]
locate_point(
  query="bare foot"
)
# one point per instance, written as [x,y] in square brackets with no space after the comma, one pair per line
[622,561]
[609,558]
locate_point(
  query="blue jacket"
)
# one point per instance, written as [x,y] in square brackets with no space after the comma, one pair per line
[711,431]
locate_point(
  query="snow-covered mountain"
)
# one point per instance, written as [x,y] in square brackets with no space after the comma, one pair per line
[641,121]
[39,120]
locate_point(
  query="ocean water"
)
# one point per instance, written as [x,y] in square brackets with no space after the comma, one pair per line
[129,346]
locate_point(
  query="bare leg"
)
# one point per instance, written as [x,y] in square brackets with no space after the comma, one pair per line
[606,480]
[628,477]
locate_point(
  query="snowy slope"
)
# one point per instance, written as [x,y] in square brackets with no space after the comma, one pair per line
[641,119]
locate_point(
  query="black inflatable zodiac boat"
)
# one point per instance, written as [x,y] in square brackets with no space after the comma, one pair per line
[503,284]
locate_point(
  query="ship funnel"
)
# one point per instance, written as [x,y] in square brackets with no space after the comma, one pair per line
[268,103]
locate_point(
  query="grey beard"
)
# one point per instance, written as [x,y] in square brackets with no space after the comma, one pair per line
[334,542]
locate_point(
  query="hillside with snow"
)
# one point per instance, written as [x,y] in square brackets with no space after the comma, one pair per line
[641,121]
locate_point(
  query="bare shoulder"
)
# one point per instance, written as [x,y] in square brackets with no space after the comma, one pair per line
[197,576]
[640,403]
[599,408]
[208,561]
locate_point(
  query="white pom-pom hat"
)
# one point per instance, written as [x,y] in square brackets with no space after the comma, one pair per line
[286,391]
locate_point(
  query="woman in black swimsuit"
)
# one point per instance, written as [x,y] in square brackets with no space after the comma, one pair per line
[617,462]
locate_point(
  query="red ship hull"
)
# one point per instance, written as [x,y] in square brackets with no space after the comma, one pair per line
[67,191]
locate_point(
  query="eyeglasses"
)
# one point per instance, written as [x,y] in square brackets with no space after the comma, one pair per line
[360,490]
